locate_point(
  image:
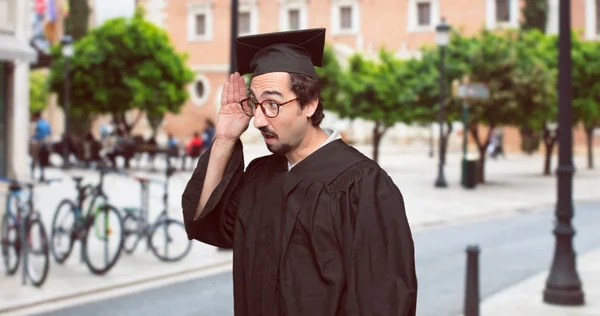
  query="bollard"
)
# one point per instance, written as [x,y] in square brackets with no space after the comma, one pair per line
[472,282]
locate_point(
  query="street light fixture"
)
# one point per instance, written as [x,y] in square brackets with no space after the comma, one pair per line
[563,286]
[67,52]
[442,38]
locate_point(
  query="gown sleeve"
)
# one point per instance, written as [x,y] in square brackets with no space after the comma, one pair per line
[379,249]
[215,225]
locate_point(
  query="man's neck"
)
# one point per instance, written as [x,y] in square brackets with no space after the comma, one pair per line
[314,138]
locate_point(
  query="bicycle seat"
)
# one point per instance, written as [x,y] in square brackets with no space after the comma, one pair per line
[77,179]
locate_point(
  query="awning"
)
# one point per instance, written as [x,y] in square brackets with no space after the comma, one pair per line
[13,49]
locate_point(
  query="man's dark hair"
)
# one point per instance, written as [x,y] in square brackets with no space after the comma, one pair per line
[308,89]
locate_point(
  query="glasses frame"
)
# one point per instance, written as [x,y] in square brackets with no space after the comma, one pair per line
[260,104]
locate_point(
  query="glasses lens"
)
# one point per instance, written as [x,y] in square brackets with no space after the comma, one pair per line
[248,107]
[271,108]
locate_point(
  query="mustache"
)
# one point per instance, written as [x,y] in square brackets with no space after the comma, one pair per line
[268,132]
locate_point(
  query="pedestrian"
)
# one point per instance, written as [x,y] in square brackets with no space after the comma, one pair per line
[208,135]
[316,228]
[40,145]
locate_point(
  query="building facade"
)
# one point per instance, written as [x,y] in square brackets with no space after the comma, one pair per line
[16,56]
[201,28]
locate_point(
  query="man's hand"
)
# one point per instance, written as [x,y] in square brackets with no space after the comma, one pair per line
[231,120]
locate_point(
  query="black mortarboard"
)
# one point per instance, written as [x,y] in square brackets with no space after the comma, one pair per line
[290,51]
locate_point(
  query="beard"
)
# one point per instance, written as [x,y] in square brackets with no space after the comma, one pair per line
[279,149]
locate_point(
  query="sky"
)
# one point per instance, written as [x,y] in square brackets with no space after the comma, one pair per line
[107,9]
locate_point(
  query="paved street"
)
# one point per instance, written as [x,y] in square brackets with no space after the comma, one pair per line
[512,249]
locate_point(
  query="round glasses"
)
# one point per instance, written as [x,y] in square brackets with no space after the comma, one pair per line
[270,108]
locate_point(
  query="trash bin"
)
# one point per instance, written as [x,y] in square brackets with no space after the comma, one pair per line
[470,173]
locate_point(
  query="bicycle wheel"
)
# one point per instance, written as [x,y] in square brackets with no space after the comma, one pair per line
[103,239]
[130,233]
[62,233]
[168,240]
[10,245]
[38,254]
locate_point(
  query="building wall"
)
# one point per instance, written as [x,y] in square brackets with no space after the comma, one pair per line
[379,23]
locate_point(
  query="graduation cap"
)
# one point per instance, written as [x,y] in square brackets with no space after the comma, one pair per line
[290,51]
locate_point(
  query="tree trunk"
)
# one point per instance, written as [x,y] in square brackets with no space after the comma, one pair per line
[549,142]
[378,132]
[589,133]
[481,146]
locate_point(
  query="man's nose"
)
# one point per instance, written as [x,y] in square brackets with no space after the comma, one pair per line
[260,120]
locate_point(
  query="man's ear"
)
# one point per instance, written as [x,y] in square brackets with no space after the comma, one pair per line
[310,108]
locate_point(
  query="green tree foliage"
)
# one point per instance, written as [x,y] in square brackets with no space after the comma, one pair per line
[38,91]
[535,13]
[122,65]
[76,23]
[379,90]
[586,88]
[535,90]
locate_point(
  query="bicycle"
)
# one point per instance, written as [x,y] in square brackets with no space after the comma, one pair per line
[138,227]
[102,222]
[23,243]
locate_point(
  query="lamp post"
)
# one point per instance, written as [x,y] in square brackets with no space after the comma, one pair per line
[563,286]
[234,35]
[442,38]
[67,52]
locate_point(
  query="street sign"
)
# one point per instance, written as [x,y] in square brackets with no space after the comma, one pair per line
[473,91]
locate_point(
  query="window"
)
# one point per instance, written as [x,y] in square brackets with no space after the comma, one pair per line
[345,17]
[502,11]
[244,23]
[503,14]
[200,22]
[200,90]
[424,11]
[294,19]
[293,15]
[247,18]
[423,15]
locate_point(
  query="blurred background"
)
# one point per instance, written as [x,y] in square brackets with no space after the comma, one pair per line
[485,113]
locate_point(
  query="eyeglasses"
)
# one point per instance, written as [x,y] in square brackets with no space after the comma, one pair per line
[269,107]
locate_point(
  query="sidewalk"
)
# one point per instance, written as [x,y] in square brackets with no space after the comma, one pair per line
[526,298]
[514,185]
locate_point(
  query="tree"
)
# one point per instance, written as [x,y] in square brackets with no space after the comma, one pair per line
[491,59]
[38,91]
[535,88]
[586,89]
[535,13]
[124,64]
[376,90]
[76,23]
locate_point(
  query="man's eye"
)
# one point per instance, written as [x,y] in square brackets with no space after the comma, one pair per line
[272,104]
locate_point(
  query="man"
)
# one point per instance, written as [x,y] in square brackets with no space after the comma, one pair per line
[39,150]
[316,228]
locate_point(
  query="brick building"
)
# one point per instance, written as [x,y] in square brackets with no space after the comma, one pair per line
[202,27]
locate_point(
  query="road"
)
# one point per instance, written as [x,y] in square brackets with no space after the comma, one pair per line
[512,249]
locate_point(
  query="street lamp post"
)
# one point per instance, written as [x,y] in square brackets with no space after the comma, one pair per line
[442,39]
[234,35]
[563,286]
[67,52]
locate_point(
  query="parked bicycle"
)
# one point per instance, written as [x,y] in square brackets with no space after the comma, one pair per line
[161,235]
[24,238]
[101,223]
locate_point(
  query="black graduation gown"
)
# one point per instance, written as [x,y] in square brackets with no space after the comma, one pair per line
[329,237]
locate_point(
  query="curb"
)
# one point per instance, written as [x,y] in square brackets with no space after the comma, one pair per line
[112,287]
